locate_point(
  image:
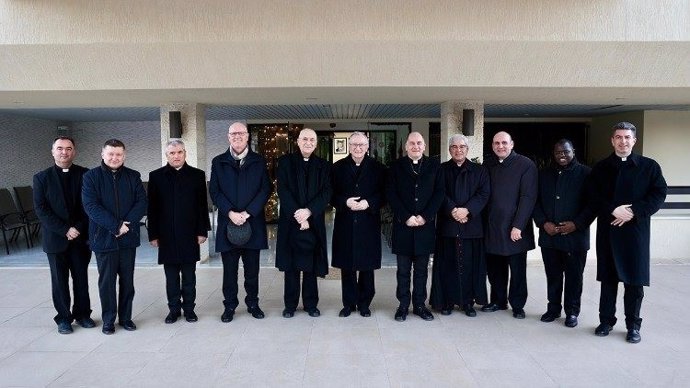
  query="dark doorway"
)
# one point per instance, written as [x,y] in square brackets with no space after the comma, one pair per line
[536,140]
[434,143]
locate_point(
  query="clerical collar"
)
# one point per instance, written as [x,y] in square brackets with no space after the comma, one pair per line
[305,159]
[63,169]
[624,158]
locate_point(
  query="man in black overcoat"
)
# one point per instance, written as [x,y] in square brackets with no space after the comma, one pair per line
[563,218]
[459,273]
[509,233]
[57,201]
[240,188]
[304,189]
[415,191]
[358,194]
[178,224]
[626,190]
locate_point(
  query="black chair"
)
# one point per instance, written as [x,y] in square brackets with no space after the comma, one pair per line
[11,220]
[25,197]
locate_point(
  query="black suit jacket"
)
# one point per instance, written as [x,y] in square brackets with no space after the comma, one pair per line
[410,194]
[51,209]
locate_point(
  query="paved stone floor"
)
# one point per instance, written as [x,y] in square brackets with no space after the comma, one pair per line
[492,349]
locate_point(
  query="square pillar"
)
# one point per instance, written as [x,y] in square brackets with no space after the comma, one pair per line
[451,123]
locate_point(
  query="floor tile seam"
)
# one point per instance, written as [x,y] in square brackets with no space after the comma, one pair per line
[473,372]
[540,366]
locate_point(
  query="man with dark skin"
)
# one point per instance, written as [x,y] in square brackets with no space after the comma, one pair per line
[563,218]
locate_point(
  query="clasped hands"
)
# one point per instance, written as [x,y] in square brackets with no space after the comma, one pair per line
[563,228]
[357,203]
[622,214]
[238,218]
[72,233]
[460,214]
[301,216]
[415,221]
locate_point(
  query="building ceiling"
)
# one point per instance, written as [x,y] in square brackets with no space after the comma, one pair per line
[333,112]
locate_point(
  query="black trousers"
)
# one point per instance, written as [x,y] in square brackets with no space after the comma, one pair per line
[419,278]
[74,261]
[557,265]
[310,290]
[497,269]
[632,302]
[111,266]
[358,291]
[250,262]
[181,294]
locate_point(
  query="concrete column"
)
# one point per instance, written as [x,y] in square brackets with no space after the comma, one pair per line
[451,123]
[194,137]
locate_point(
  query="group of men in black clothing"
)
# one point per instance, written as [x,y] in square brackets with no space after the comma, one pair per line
[475,219]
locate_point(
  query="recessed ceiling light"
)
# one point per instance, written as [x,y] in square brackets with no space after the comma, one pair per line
[18,102]
[311,98]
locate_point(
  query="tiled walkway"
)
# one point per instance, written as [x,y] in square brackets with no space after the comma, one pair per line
[492,349]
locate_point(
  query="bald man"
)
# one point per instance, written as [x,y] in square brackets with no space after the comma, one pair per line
[415,193]
[509,233]
[240,188]
[304,189]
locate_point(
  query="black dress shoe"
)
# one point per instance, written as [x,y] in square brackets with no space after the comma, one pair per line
[128,325]
[313,312]
[633,336]
[518,313]
[108,329]
[469,310]
[86,323]
[423,313]
[65,328]
[447,310]
[549,316]
[172,317]
[365,312]
[400,314]
[227,316]
[571,320]
[345,311]
[190,316]
[287,313]
[603,330]
[491,307]
[256,312]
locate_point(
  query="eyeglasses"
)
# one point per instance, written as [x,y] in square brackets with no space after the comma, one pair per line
[236,134]
[358,145]
[458,147]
